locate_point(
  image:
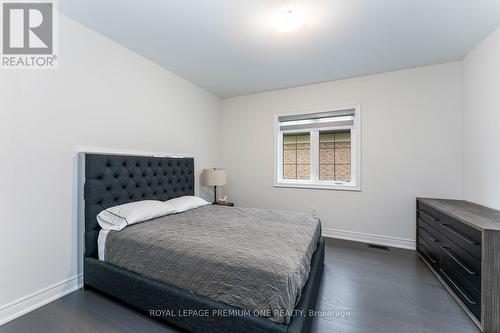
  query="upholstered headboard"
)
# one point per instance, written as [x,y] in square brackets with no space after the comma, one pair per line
[112,180]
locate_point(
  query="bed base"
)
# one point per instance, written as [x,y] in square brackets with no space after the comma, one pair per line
[175,304]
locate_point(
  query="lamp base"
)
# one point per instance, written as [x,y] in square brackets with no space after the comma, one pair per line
[224,203]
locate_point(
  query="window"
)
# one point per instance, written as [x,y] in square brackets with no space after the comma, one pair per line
[319,150]
[335,155]
[296,153]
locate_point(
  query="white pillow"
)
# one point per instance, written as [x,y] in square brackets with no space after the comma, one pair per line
[118,217]
[187,202]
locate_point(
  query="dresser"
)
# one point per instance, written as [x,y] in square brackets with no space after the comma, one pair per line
[460,243]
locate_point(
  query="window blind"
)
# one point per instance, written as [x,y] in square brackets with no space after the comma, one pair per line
[317,120]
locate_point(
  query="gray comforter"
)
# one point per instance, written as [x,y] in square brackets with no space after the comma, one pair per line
[254,259]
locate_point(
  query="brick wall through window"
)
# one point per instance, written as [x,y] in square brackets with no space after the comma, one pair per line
[296,154]
[335,155]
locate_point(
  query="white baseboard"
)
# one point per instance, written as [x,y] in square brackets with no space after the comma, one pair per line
[401,243]
[31,302]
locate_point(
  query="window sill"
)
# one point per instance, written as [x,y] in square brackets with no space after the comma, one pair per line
[318,186]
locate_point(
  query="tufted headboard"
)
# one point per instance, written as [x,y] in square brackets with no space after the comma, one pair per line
[112,180]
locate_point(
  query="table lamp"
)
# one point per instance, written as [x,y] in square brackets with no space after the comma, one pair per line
[214,177]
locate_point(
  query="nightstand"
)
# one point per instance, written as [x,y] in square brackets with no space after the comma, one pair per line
[220,203]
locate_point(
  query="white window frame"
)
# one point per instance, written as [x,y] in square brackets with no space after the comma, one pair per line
[314,182]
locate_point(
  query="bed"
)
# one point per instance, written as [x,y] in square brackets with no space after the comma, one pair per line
[111,180]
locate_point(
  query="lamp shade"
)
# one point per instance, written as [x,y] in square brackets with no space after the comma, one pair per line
[214,177]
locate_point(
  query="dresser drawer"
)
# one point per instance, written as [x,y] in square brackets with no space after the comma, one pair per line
[428,232]
[465,264]
[464,236]
[428,214]
[428,252]
[462,288]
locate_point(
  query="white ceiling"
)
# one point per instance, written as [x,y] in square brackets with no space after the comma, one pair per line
[229,48]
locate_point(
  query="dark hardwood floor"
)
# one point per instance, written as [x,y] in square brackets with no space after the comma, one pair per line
[381,291]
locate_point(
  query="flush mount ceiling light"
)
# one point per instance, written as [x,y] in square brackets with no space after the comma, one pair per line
[288,19]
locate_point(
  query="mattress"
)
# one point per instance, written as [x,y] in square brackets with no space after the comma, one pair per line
[254,259]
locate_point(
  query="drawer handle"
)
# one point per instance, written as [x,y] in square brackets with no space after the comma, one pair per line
[428,215]
[452,256]
[429,258]
[434,240]
[458,234]
[460,290]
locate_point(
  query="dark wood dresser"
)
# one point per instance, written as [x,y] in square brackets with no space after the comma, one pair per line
[460,243]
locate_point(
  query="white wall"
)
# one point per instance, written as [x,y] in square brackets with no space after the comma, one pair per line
[481,102]
[411,146]
[102,95]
